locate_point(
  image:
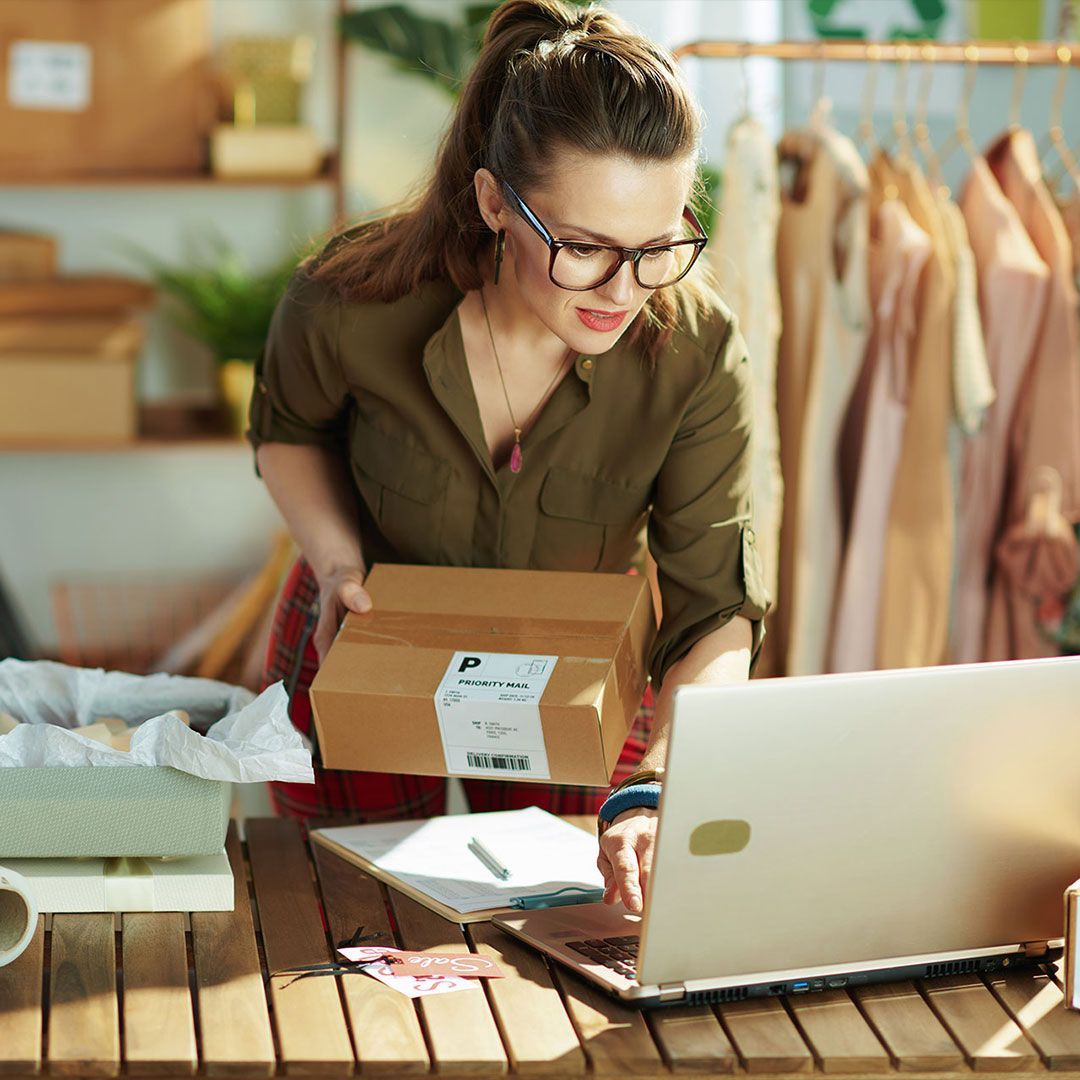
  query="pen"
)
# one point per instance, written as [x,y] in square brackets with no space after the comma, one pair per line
[488,859]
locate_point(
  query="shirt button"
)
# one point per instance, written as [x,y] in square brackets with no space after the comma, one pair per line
[262,387]
[587,365]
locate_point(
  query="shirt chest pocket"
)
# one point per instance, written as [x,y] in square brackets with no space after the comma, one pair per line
[404,488]
[587,523]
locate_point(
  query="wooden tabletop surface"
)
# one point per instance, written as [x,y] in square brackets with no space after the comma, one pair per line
[168,994]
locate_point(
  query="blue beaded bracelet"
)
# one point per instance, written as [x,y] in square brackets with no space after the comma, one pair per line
[628,798]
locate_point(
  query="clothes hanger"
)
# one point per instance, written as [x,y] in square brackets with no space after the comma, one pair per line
[822,107]
[865,138]
[900,132]
[961,135]
[922,128]
[1020,57]
[1068,165]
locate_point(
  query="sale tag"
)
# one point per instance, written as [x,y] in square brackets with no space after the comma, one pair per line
[415,986]
[407,963]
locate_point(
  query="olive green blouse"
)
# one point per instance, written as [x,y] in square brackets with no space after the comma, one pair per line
[615,447]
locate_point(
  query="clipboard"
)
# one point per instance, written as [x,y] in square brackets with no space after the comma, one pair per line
[530,898]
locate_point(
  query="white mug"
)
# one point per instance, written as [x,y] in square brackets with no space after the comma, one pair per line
[18,915]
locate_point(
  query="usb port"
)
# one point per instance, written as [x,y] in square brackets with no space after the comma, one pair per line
[800,987]
[836,983]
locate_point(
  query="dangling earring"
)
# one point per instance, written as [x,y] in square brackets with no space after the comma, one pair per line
[500,244]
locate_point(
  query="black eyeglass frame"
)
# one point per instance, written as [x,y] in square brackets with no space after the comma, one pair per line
[626,254]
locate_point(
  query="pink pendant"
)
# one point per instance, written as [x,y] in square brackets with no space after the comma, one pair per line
[515,458]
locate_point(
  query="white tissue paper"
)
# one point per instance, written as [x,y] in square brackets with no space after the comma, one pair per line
[247,739]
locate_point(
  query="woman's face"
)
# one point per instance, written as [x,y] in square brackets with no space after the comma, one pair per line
[595,199]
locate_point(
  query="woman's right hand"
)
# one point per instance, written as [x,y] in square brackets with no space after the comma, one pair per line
[339,592]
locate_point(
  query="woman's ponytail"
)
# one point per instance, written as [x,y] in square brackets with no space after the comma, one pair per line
[549,76]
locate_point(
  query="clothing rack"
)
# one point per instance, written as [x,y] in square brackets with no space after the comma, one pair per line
[1034,53]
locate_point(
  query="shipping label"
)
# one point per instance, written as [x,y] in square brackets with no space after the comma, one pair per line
[488,705]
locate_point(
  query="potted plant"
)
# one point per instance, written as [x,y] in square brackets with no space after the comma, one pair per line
[223,303]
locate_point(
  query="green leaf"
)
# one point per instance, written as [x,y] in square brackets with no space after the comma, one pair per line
[218,299]
[437,50]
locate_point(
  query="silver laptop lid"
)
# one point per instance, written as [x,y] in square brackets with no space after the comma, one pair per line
[845,818]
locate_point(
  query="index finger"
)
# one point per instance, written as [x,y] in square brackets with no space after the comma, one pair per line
[624,862]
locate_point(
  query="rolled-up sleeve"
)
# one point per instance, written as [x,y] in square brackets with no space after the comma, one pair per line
[301,395]
[700,529]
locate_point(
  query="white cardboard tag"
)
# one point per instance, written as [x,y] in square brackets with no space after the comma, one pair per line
[49,75]
[488,705]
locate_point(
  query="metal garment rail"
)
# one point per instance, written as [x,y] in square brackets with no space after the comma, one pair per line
[1046,54]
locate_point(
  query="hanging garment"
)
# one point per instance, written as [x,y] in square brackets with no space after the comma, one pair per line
[822,263]
[743,256]
[1044,439]
[973,385]
[1013,289]
[916,581]
[1070,214]
[874,428]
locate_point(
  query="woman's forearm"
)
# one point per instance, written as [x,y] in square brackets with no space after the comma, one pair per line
[718,658]
[311,487]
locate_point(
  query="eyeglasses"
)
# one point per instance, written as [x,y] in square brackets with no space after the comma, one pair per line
[579,266]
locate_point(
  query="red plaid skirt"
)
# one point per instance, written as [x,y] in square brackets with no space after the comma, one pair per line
[385,796]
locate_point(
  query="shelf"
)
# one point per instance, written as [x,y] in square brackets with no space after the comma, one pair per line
[326,178]
[199,442]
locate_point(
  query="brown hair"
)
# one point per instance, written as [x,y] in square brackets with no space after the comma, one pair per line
[548,77]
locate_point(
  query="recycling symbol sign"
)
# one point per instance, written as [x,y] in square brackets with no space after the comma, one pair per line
[926,19]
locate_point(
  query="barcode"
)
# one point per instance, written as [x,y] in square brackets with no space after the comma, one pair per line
[513,762]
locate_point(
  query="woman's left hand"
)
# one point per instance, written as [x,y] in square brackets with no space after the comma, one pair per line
[626,854]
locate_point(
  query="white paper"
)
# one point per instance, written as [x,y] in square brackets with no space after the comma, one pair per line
[488,705]
[247,739]
[542,853]
[52,75]
[415,986]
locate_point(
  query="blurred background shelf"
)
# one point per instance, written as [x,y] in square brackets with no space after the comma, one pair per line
[189,442]
[327,177]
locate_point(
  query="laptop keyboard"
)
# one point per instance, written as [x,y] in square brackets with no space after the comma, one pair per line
[617,953]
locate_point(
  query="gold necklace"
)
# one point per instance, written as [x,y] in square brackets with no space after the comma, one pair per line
[515,454]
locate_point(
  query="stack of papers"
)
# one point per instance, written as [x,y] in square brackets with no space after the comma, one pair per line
[432,860]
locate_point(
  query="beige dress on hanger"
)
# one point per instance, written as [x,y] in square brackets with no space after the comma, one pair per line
[1044,440]
[1013,288]
[917,576]
[874,428]
[822,263]
[743,256]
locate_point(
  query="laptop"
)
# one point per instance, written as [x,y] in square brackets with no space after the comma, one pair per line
[838,830]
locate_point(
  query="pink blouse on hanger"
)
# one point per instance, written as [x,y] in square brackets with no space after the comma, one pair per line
[1044,440]
[1013,287]
[874,428]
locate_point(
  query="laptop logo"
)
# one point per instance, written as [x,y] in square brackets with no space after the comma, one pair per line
[720,837]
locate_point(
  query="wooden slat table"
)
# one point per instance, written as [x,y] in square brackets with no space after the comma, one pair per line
[168,995]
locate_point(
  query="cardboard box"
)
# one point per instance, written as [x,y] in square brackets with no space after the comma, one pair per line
[136,811]
[104,87]
[26,256]
[194,883]
[117,335]
[285,151]
[509,674]
[67,397]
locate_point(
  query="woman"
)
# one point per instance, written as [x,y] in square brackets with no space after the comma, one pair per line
[491,378]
